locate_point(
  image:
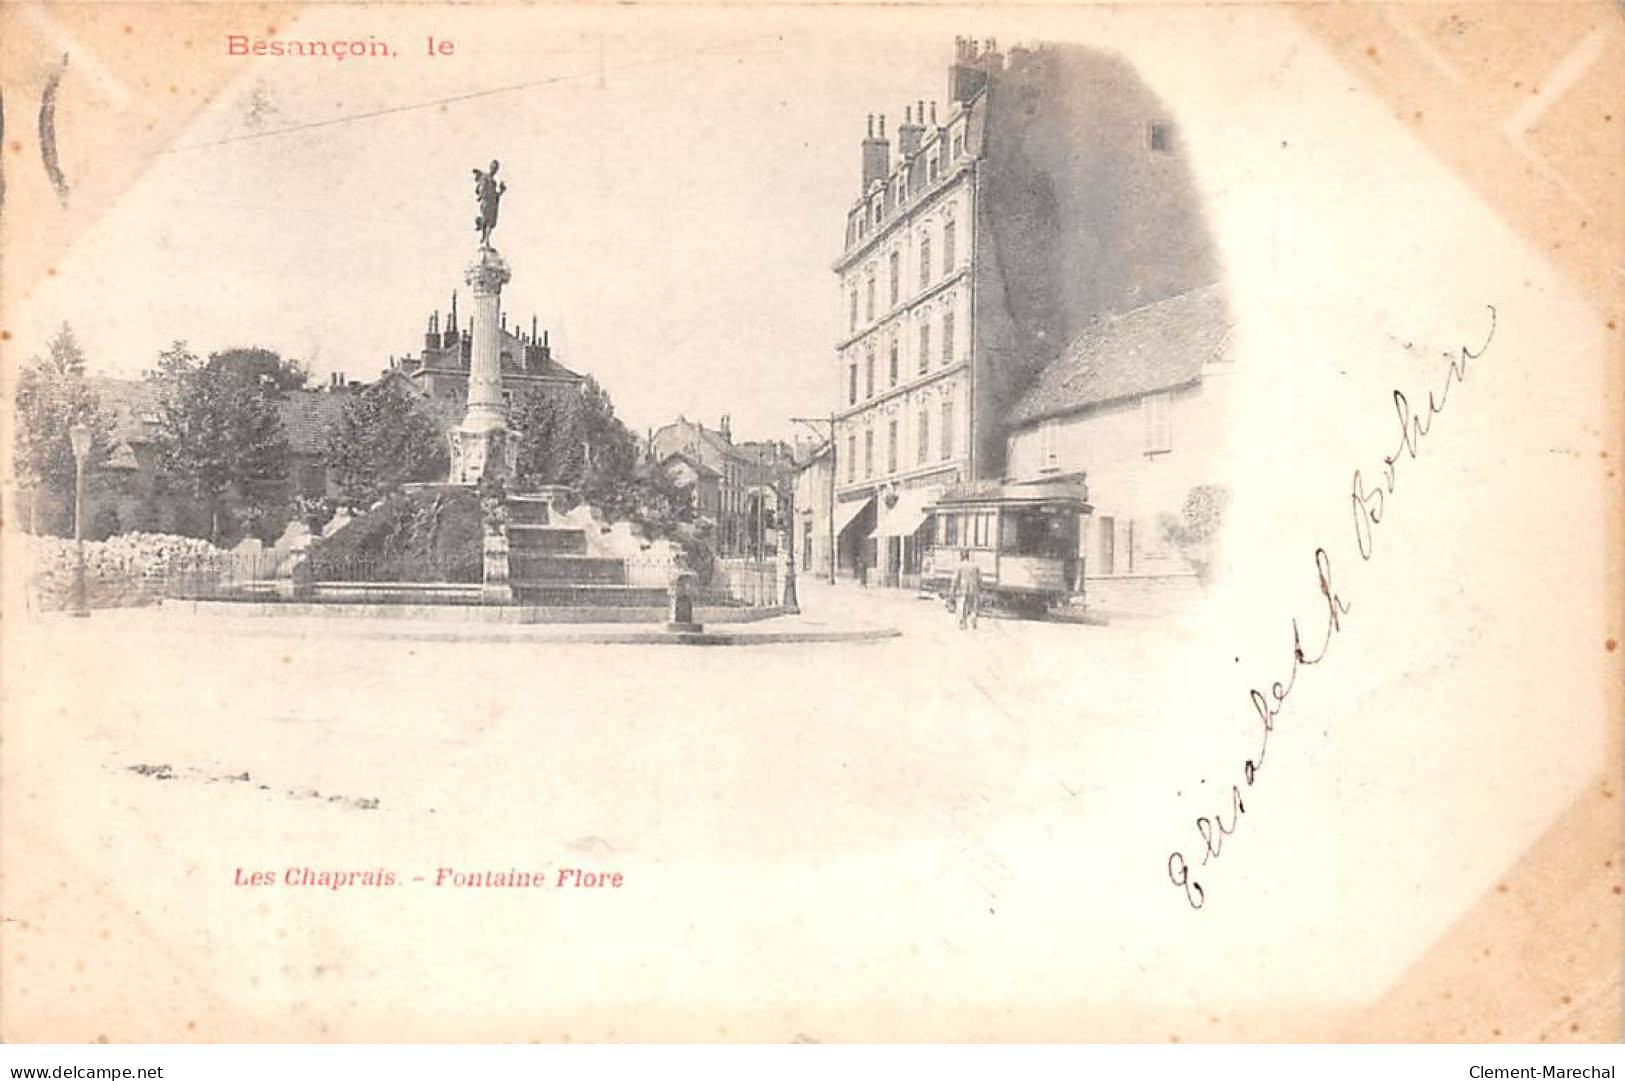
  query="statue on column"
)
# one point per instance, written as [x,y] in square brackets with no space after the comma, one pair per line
[488,192]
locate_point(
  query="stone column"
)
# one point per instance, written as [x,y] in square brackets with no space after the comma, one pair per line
[483,434]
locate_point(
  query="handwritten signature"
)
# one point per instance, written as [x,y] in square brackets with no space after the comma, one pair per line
[1368,503]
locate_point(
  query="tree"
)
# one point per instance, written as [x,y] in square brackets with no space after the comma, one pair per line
[551,438]
[1196,529]
[219,435]
[51,395]
[386,437]
[256,366]
[577,440]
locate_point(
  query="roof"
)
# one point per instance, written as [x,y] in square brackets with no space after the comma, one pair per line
[701,440]
[984,492]
[807,460]
[134,403]
[307,416]
[1156,347]
[698,466]
[130,402]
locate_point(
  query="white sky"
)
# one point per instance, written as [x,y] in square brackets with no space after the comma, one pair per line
[676,192]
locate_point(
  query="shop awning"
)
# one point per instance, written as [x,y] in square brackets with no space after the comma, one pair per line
[846,513]
[904,517]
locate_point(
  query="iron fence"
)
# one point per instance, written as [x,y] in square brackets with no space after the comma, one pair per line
[724,583]
[749,582]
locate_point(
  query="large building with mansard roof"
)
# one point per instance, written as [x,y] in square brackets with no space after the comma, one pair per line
[440,371]
[1050,189]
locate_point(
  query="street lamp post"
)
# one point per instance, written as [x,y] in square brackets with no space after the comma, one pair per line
[79,436]
[787,524]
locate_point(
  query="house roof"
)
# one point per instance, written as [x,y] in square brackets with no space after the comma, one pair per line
[134,403]
[698,466]
[307,416]
[1156,347]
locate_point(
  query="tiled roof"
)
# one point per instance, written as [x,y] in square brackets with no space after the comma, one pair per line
[130,402]
[1156,347]
[307,416]
[698,466]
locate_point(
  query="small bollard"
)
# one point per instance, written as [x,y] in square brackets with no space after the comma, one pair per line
[680,616]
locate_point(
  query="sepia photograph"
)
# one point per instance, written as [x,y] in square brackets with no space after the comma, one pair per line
[778,523]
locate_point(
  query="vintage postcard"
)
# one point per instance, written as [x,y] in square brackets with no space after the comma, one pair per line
[841,523]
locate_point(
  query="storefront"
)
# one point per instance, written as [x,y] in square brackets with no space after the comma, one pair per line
[854,536]
[900,535]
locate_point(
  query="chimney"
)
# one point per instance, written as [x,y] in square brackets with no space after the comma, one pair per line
[547,350]
[966,77]
[876,154]
[727,428]
[432,335]
[908,135]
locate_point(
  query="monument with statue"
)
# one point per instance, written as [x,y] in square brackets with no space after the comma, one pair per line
[478,539]
[482,441]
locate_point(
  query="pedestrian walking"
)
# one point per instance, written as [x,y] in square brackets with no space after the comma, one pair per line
[967,589]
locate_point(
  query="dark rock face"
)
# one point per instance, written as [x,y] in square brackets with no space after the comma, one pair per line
[435,534]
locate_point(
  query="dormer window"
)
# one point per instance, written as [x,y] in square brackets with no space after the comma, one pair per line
[1158,137]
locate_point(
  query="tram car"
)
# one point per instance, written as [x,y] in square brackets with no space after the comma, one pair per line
[1024,537]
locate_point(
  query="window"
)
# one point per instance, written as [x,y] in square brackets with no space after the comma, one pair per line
[1158,423]
[879,204]
[925,260]
[869,373]
[852,321]
[1048,456]
[891,447]
[923,447]
[869,297]
[896,276]
[851,458]
[1108,546]
[925,344]
[936,160]
[947,430]
[981,530]
[893,364]
[869,452]
[959,145]
[948,248]
[1157,137]
[947,337]
[852,383]
[950,530]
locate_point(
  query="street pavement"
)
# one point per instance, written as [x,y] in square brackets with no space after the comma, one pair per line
[810,835]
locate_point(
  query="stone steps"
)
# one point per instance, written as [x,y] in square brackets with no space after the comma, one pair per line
[588,595]
[546,539]
[548,566]
[527,511]
[530,567]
